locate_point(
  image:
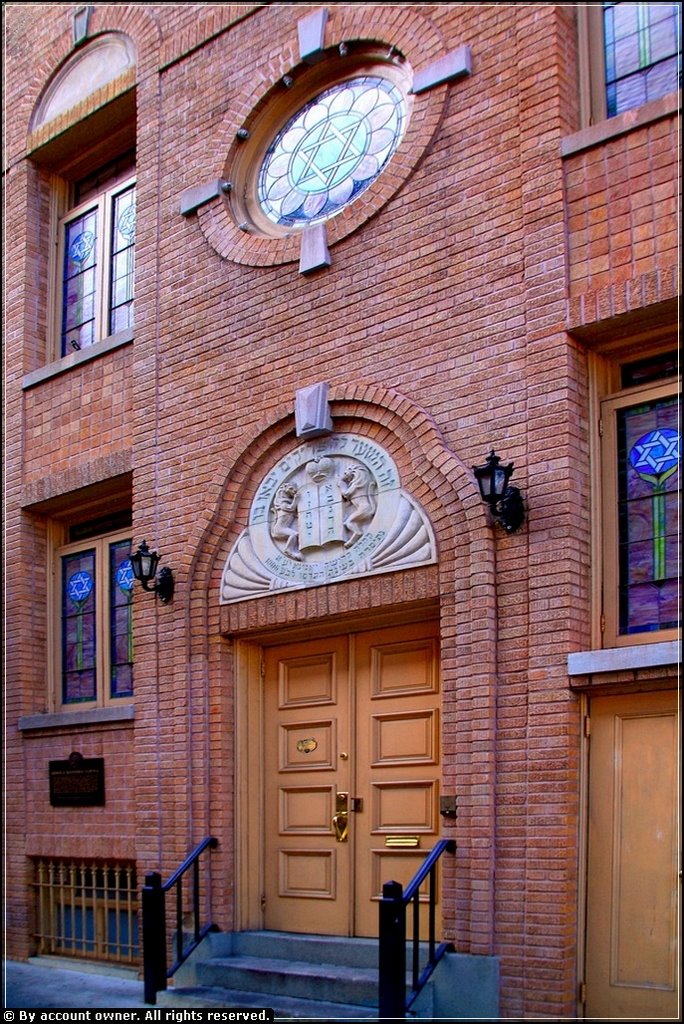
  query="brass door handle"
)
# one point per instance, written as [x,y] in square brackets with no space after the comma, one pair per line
[341,826]
[340,820]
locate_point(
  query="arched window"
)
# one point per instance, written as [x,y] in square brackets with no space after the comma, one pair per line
[82,139]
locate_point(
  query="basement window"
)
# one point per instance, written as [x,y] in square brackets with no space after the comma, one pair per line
[87,910]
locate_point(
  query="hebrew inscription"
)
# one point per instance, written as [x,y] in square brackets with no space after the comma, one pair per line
[332,509]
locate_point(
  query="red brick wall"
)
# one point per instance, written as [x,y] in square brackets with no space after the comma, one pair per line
[441,328]
[622,203]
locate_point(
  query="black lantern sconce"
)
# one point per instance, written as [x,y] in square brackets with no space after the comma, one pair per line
[505,502]
[144,563]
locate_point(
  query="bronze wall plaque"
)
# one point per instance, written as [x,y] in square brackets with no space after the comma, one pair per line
[78,782]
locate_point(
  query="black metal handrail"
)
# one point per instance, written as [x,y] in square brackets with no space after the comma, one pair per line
[155,970]
[394,1001]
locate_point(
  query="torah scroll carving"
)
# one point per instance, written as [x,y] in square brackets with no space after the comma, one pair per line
[333,509]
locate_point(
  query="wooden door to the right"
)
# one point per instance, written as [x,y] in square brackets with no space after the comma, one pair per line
[632,885]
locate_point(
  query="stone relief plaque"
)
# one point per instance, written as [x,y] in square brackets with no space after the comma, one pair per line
[332,509]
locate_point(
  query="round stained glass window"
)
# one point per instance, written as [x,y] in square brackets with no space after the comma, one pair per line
[331,151]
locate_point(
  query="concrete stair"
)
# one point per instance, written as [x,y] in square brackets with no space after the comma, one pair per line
[299,977]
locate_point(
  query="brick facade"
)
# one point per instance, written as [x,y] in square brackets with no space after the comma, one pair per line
[457,315]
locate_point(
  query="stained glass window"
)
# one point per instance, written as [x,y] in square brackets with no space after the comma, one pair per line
[648,497]
[80,283]
[97,621]
[331,151]
[122,262]
[121,619]
[98,269]
[642,53]
[79,633]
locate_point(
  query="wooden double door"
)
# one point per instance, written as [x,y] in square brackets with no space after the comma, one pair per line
[351,774]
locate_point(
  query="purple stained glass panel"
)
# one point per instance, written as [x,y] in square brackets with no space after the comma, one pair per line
[642,53]
[79,282]
[79,338]
[648,496]
[121,619]
[79,642]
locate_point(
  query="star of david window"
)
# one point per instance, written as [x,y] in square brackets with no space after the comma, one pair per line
[95,655]
[97,260]
[316,144]
[331,151]
[640,454]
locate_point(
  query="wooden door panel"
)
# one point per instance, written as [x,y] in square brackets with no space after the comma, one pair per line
[397,687]
[307,874]
[404,668]
[306,810]
[632,864]
[307,746]
[398,807]
[405,738]
[307,681]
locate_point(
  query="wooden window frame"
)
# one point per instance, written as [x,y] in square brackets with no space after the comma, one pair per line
[60,548]
[103,202]
[592,67]
[592,64]
[610,405]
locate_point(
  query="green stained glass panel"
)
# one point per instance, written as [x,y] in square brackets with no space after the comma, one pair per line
[121,619]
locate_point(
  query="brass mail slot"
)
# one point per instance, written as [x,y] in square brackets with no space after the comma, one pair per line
[402,841]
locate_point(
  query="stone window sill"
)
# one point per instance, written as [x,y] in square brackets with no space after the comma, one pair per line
[69,362]
[621,659]
[77,719]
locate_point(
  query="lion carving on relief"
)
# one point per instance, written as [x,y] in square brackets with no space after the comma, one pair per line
[357,488]
[284,526]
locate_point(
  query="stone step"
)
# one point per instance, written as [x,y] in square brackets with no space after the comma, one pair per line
[300,979]
[321,949]
[284,1007]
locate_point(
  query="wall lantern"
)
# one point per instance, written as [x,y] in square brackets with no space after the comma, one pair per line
[504,501]
[144,563]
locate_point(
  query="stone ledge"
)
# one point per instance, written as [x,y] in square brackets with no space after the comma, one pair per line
[618,659]
[76,719]
[67,363]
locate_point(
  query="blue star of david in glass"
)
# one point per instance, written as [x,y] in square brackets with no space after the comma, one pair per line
[126,223]
[656,453]
[124,575]
[331,151]
[81,247]
[79,586]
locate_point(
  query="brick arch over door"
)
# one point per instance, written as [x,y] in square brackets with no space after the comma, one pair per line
[462,582]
